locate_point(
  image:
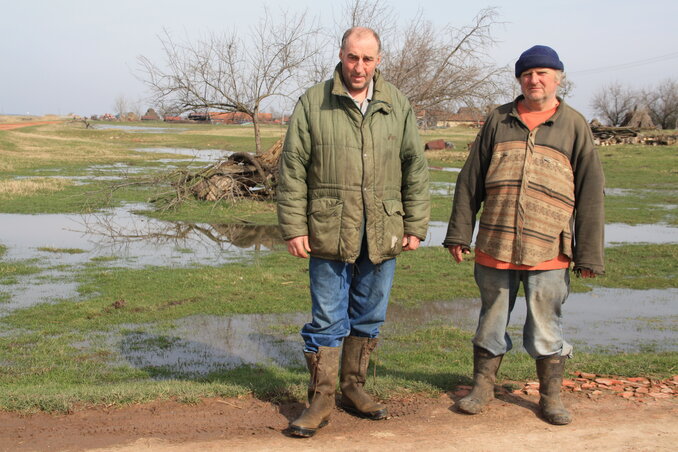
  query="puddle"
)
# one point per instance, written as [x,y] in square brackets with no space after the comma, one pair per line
[614,320]
[615,234]
[203,344]
[198,155]
[444,169]
[141,129]
[136,240]
[442,188]
[118,238]
[635,191]
[121,238]
[49,286]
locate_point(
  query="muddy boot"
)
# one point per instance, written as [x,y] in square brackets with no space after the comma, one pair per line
[550,371]
[485,366]
[354,361]
[323,367]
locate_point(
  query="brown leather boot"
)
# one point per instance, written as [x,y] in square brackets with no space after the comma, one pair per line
[550,371]
[324,367]
[485,367]
[354,361]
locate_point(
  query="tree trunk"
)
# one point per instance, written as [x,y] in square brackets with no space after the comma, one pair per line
[257,132]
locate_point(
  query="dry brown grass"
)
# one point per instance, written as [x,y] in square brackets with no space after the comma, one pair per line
[27,187]
[240,131]
[446,155]
[46,147]
[11,119]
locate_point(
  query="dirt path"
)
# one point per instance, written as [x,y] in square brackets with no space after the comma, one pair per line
[24,124]
[605,422]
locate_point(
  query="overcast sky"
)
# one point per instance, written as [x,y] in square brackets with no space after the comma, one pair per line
[77,56]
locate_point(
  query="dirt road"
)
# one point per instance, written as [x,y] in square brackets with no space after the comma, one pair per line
[24,124]
[605,422]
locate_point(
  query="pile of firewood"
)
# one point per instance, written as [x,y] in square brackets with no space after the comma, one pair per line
[241,175]
[606,136]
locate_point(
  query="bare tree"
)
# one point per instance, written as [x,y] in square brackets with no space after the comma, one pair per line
[120,106]
[233,73]
[433,66]
[662,104]
[613,103]
[566,87]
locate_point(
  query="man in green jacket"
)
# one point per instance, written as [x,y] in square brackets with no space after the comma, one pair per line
[534,170]
[352,193]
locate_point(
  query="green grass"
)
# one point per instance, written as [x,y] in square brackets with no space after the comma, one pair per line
[77,199]
[240,211]
[58,356]
[642,207]
[10,271]
[423,358]
[49,249]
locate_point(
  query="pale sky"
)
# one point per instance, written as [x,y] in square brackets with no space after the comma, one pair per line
[77,56]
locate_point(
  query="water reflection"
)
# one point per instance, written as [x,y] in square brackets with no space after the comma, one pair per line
[202,344]
[135,239]
[117,238]
[608,320]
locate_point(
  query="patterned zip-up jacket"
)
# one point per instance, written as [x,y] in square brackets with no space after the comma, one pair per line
[541,191]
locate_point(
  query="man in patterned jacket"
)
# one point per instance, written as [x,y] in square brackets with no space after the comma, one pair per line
[534,170]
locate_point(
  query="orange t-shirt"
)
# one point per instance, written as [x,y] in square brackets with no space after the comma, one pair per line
[531,119]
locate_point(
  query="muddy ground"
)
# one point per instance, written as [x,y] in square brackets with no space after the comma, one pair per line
[603,422]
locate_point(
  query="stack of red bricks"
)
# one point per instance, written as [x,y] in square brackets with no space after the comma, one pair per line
[636,388]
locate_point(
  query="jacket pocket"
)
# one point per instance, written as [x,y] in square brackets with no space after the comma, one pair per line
[394,228]
[324,226]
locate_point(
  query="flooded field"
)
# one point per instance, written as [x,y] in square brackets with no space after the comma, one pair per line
[614,320]
[137,129]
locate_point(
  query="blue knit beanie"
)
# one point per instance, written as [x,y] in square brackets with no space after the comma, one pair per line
[538,56]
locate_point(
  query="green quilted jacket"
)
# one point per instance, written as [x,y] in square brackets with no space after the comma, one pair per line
[340,171]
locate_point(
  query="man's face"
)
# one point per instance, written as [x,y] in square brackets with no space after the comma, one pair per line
[539,84]
[359,58]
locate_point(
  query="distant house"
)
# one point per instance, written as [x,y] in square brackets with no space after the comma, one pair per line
[231,117]
[237,117]
[465,116]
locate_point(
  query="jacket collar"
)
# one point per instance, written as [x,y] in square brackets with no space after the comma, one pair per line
[381,98]
[551,120]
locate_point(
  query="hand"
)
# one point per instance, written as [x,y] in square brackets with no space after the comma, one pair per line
[458,251]
[586,273]
[299,247]
[410,242]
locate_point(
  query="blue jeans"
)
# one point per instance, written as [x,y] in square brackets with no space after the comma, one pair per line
[545,293]
[346,299]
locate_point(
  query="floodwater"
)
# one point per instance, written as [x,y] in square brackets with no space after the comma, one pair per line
[119,238]
[611,320]
[198,155]
[137,129]
[615,233]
